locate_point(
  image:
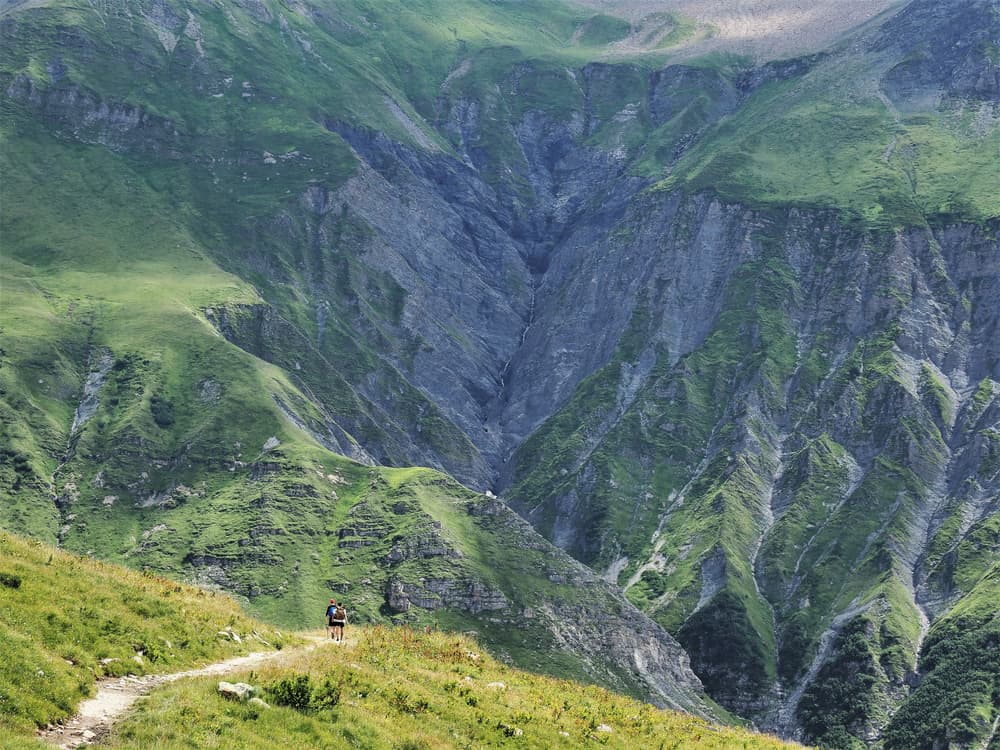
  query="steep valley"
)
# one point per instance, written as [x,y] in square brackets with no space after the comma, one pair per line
[723,330]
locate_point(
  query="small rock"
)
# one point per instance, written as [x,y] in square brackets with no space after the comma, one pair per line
[255,701]
[604,728]
[564,734]
[88,735]
[497,685]
[236,691]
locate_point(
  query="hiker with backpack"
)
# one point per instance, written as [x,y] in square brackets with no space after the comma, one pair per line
[330,612]
[336,619]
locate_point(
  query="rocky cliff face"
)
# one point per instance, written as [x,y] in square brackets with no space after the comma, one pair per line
[725,333]
[734,494]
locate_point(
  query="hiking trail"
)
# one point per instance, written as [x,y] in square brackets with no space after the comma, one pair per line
[116,695]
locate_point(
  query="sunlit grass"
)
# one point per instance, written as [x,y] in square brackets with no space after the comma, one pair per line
[401,688]
[66,620]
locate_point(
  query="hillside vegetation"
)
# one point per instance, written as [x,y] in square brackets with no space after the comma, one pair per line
[68,620]
[388,689]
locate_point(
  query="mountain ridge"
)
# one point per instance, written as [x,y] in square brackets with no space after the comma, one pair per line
[633,276]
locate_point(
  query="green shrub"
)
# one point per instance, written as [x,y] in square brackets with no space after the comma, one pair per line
[298,692]
[326,696]
[163,411]
[842,695]
[294,692]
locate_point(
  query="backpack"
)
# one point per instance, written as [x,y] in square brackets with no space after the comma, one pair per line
[340,614]
[330,610]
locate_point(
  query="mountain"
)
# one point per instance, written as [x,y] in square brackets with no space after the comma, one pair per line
[719,320]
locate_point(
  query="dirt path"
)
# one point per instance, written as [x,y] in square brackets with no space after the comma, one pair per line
[115,695]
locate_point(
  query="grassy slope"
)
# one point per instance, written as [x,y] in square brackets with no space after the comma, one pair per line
[125,282]
[819,152]
[66,621]
[833,137]
[63,615]
[398,688]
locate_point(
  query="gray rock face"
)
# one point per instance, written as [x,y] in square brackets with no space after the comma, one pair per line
[525,350]
[435,593]
[90,399]
[369,411]
[955,61]
[419,546]
[83,115]
[519,278]
[935,290]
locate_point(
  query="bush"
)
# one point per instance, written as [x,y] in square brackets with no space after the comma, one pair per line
[326,696]
[412,745]
[299,693]
[404,703]
[294,692]
[10,581]
[163,411]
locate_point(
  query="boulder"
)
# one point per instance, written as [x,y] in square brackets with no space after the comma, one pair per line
[236,691]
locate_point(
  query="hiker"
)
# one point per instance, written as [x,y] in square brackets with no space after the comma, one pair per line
[337,622]
[330,612]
